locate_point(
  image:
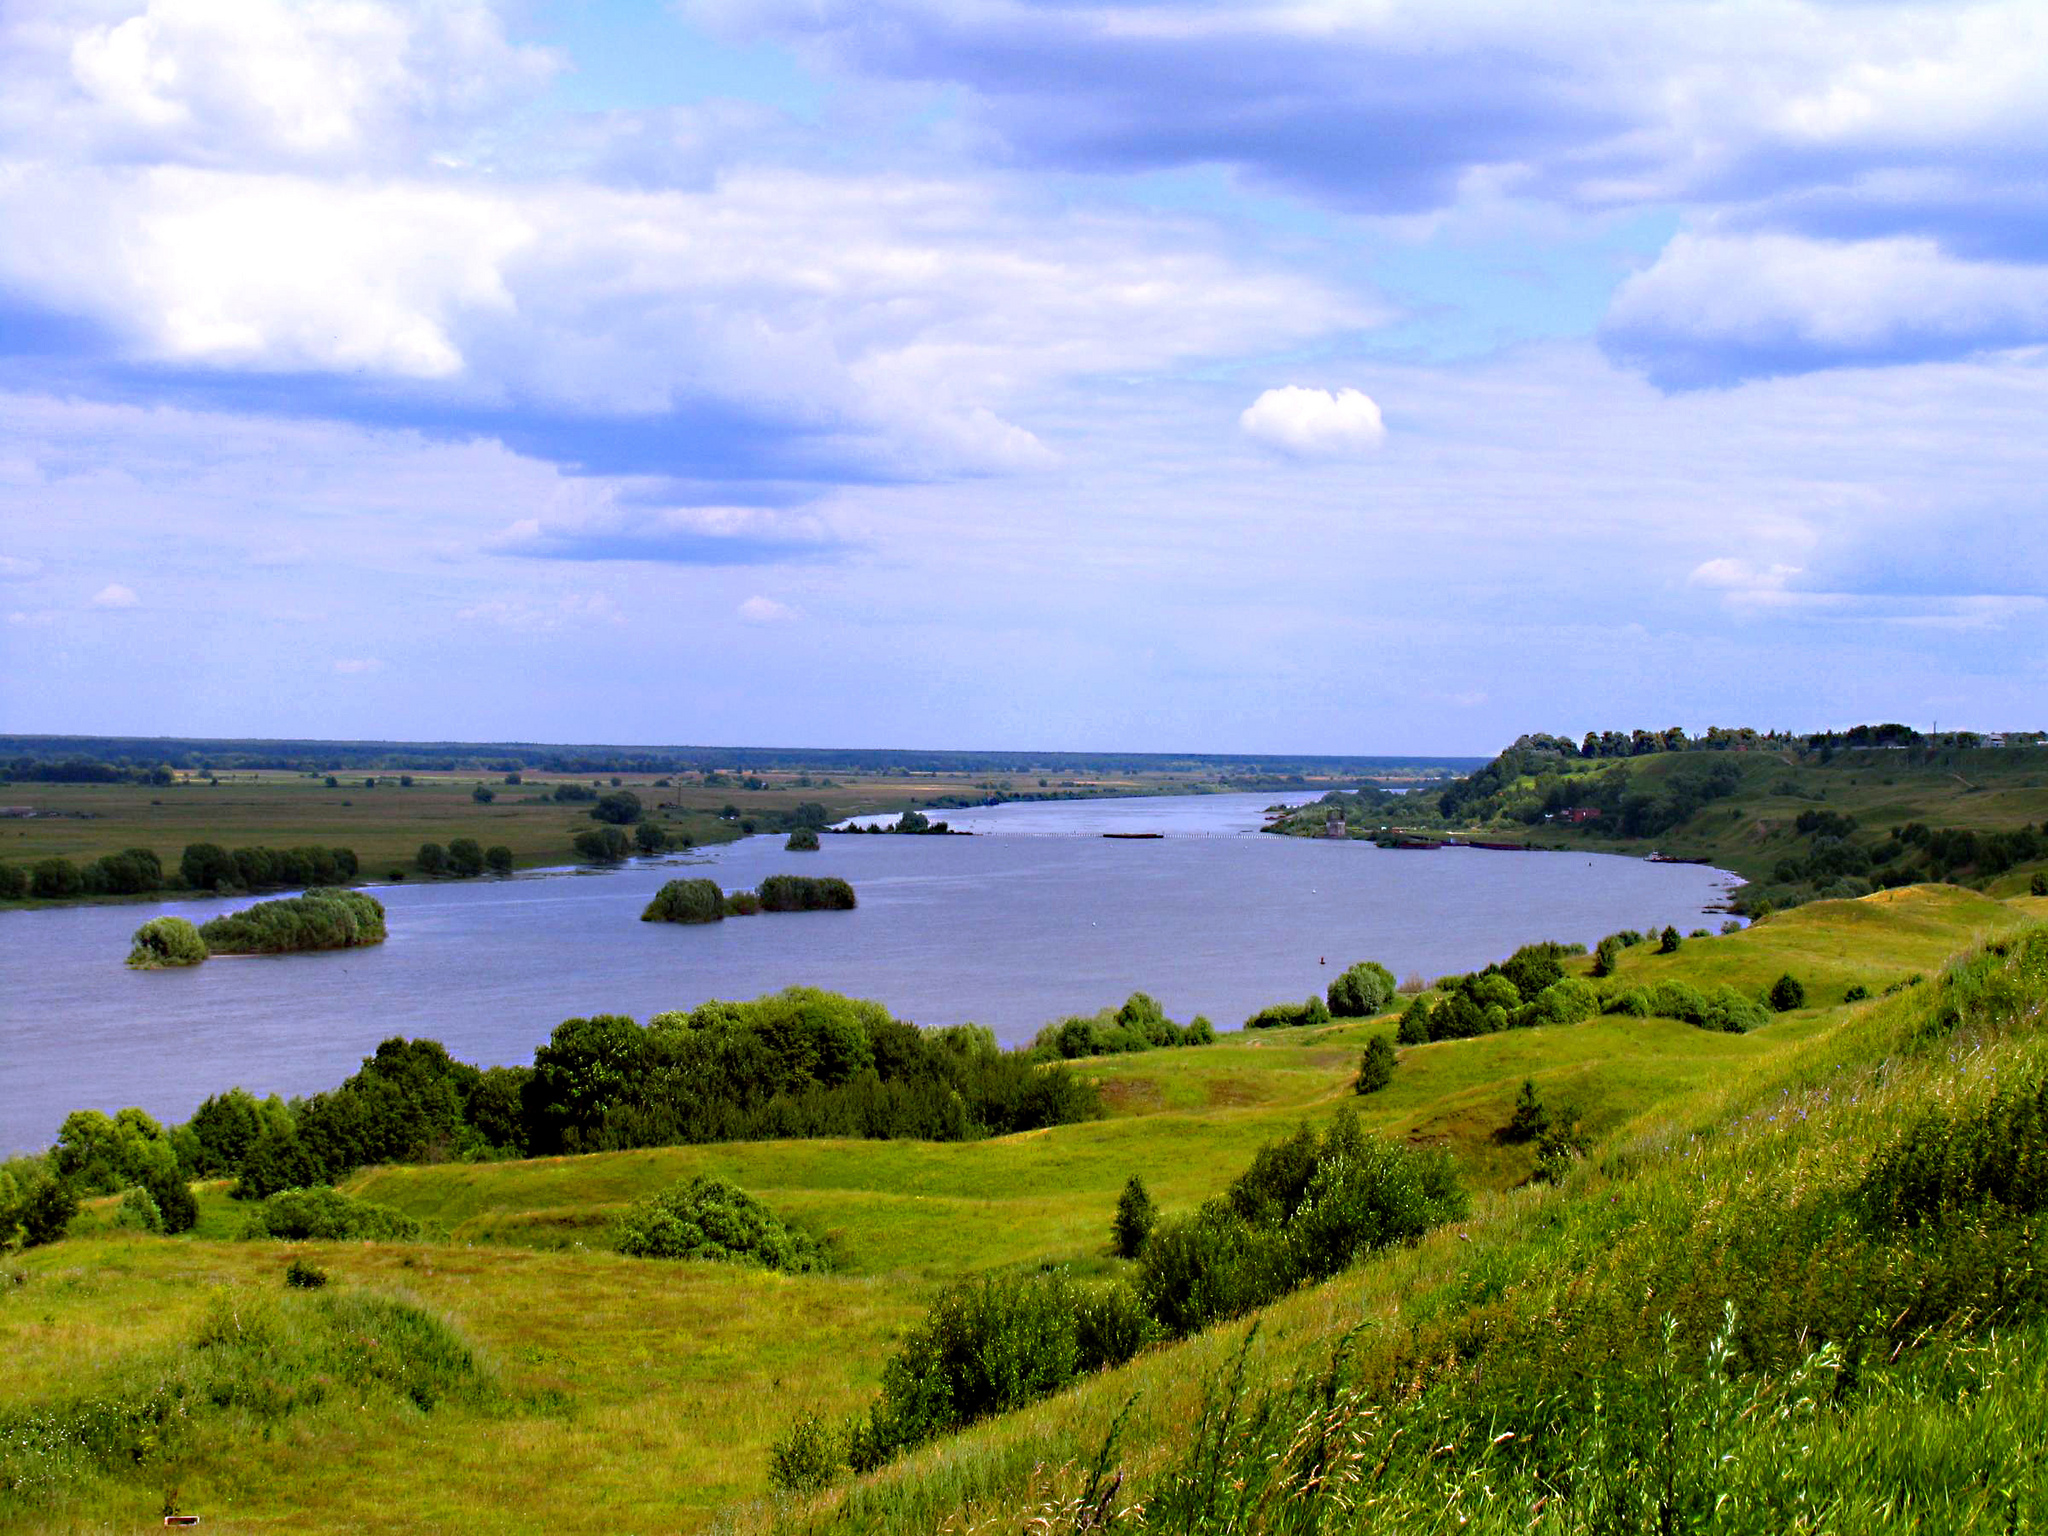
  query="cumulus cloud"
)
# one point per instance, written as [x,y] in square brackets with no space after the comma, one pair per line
[114,595]
[1314,423]
[765,610]
[1718,308]
[357,666]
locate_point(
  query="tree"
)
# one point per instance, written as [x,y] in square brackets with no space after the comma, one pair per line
[1362,991]
[55,879]
[207,866]
[1669,942]
[913,821]
[602,845]
[46,1212]
[1530,1119]
[1787,994]
[1414,1027]
[483,794]
[621,809]
[650,837]
[1133,1221]
[1376,1066]
[2038,886]
[164,942]
[1605,955]
[432,858]
[465,857]
[499,858]
[803,840]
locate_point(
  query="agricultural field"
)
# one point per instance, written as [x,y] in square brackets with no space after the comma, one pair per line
[546,1379]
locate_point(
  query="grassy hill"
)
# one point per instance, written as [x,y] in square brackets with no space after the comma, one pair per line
[520,1374]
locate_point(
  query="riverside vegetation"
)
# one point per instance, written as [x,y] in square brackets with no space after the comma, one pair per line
[1611,1272]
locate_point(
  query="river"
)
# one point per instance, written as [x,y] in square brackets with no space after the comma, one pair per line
[1035,917]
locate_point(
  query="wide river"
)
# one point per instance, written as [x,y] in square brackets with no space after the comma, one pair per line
[1037,917]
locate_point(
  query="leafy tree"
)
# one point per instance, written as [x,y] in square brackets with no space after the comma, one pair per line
[1668,943]
[686,901]
[913,821]
[650,837]
[1606,955]
[13,882]
[602,845]
[165,942]
[55,879]
[1361,991]
[1787,993]
[803,840]
[323,918]
[1414,1027]
[465,857]
[809,813]
[224,1128]
[483,794]
[46,1212]
[432,858]
[499,859]
[276,1161]
[172,1196]
[1134,1218]
[620,809]
[708,1218]
[586,1066]
[1375,1067]
[1530,1119]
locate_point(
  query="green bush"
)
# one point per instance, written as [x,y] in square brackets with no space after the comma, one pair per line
[1290,1015]
[1375,1067]
[2038,886]
[46,1212]
[1956,1163]
[499,859]
[55,879]
[301,1276]
[1563,1002]
[708,1218]
[1414,1026]
[650,837]
[13,883]
[808,1457]
[137,1212]
[466,857]
[1787,993]
[1669,942]
[742,904]
[804,893]
[1133,1221]
[324,1214]
[164,942]
[320,919]
[686,901]
[1362,991]
[803,840]
[432,859]
[602,845]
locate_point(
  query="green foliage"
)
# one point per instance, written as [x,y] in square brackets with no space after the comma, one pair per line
[499,859]
[803,840]
[807,1458]
[46,1212]
[465,857]
[621,808]
[1133,1221]
[1567,1001]
[1375,1066]
[483,794]
[1787,993]
[1314,1012]
[325,1214]
[14,882]
[1414,1026]
[742,904]
[1606,954]
[301,1276]
[207,867]
[55,879]
[164,942]
[1530,1119]
[1362,991]
[2038,886]
[649,837]
[686,901]
[602,845]
[137,1212]
[710,1219]
[320,919]
[805,893]
[1140,1024]
[432,859]
[1669,942]
[1950,1166]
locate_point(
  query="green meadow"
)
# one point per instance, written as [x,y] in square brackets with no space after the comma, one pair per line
[510,1371]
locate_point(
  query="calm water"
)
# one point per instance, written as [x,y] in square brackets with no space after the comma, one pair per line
[1038,917]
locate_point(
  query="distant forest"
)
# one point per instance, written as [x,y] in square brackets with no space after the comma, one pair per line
[107,759]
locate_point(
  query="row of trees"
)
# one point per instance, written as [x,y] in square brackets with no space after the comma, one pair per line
[463,858]
[203,867]
[702,901]
[1139,1025]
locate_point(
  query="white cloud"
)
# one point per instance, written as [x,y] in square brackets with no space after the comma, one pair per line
[357,666]
[539,615]
[16,568]
[1314,422]
[114,595]
[765,610]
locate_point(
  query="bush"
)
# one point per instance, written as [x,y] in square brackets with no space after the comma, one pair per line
[2038,886]
[1955,1163]
[1668,944]
[1414,1026]
[137,1212]
[1133,1221]
[465,857]
[1787,993]
[172,1196]
[13,883]
[164,942]
[649,837]
[1290,1015]
[1375,1067]
[321,919]
[1530,1119]
[498,858]
[742,904]
[1563,1002]
[621,809]
[602,845]
[46,1212]
[483,795]
[1363,990]
[686,901]
[803,840]
[301,1276]
[708,1218]
[804,893]
[807,1458]
[55,879]
[323,1214]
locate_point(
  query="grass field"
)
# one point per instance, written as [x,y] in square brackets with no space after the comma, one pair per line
[643,1396]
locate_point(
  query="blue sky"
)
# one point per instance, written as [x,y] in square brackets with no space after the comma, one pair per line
[1346,377]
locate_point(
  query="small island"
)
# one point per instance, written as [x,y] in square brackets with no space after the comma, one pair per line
[701,901]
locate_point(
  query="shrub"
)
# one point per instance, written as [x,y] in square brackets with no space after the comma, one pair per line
[1732,1013]
[1787,993]
[321,919]
[323,1214]
[1606,954]
[686,901]
[649,837]
[742,904]
[1563,1002]
[1134,1219]
[1290,1015]
[13,883]
[708,1218]
[805,893]
[483,794]
[1856,993]
[1375,1067]
[301,1276]
[803,840]
[498,858]
[164,942]
[55,879]
[1530,1119]
[807,1458]
[432,858]
[465,857]
[602,845]
[1668,944]
[1361,991]
[46,1212]
[1958,1162]
[621,808]
[137,1212]
[2038,886]
[1414,1026]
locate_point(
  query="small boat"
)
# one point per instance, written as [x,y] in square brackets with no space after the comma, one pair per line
[1134,836]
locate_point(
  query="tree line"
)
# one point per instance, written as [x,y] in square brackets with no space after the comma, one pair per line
[202,867]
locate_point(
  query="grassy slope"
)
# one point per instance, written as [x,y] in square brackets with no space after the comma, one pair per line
[644,1396]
